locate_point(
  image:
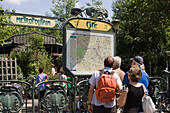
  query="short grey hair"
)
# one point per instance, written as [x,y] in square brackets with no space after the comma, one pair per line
[117,61]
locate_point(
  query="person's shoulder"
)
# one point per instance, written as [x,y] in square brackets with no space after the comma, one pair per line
[122,71]
[116,76]
[126,74]
[17,85]
[38,75]
[141,84]
[119,71]
[97,72]
[65,76]
[144,73]
[44,74]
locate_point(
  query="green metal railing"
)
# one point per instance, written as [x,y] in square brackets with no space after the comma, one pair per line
[11,98]
[55,98]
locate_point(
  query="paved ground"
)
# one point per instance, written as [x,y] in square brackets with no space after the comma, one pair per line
[29,106]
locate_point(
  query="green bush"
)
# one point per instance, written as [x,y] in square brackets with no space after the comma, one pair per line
[29,62]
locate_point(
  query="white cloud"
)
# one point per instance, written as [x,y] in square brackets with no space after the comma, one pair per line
[17,2]
[78,4]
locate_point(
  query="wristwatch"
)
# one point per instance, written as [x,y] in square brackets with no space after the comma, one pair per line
[89,104]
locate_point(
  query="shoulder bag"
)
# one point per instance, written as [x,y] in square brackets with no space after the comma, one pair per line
[147,104]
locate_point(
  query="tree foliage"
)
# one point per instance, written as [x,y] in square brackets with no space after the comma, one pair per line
[62,11]
[7,30]
[36,42]
[31,58]
[94,2]
[29,61]
[144,30]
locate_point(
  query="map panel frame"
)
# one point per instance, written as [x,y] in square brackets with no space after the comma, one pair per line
[86,50]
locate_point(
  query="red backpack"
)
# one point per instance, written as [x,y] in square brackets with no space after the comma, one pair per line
[106,87]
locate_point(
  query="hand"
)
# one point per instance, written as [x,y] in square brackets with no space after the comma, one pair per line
[124,88]
[90,108]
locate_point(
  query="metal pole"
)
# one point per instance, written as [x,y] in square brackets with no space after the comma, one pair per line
[33,88]
[39,103]
[150,67]
[26,100]
[74,94]
[29,26]
[166,75]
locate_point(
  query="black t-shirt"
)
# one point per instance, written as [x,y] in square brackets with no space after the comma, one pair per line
[134,99]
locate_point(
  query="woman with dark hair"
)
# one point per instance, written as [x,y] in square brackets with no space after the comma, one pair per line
[41,77]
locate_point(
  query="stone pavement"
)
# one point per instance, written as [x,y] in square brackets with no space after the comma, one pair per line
[29,106]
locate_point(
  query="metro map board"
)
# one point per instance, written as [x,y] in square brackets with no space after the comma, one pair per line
[87,50]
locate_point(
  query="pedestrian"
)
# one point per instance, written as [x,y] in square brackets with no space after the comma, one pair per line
[63,77]
[143,67]
[41,77]
[21,91]
[116,67]
[81,107]
[138,60]
[135,91]
[95,105]
[53,72]
[121,73]
[69,86]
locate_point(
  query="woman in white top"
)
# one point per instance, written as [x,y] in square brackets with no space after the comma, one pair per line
[63,77]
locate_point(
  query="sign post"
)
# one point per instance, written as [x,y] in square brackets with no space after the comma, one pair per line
[86,43]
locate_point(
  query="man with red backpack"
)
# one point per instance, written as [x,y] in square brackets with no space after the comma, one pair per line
[103,85]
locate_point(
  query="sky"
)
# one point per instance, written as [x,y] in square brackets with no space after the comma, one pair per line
[41,7]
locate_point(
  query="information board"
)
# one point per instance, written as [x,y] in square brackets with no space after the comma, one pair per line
[86,50]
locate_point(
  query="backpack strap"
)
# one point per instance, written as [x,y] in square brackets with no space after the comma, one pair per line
[106,72]
[101,71]
[112,73]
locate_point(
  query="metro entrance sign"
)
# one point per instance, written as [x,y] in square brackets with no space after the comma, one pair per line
[86,44]
[33,21]
[90,24]
[29,20]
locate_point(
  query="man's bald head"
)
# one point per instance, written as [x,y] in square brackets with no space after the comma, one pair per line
[108,62]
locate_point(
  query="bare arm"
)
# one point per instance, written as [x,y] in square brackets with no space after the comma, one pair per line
[90,95]
[119,87]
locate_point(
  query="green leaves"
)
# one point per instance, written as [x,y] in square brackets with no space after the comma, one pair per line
[36,42]
[143,29]
[94,2]
[29,61]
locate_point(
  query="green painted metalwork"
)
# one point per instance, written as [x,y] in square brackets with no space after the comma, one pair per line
[55,98]
[83,88]
[11,98]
